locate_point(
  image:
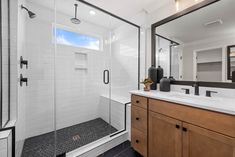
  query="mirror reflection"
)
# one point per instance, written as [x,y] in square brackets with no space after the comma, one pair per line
[197,46]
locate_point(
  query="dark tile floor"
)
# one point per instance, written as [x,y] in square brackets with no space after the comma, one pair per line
[67,139]
[122,150]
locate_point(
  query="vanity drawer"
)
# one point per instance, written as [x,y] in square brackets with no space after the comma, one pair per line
[139,101]
[139,118]
[215,121]
[139,141]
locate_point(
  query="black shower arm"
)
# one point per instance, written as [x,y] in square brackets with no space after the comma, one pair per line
[76,7]
[23,7]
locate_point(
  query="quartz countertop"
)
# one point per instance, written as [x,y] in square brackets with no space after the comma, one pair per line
[218,104]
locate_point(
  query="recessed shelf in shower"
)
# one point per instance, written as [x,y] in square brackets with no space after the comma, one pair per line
[80,61]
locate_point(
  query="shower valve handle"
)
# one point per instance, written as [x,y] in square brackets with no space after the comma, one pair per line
[23,62]
[23,80]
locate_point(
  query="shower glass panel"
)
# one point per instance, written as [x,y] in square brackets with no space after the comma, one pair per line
[35,128]
[124,69]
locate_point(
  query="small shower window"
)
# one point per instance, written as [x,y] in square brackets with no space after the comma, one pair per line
[75,39]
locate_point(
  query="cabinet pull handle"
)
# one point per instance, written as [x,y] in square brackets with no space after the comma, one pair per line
[137,101]
[137,141]
[185,129]
[137,118]
[177,126]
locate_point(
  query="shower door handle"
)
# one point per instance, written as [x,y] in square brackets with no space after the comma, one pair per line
[106,76]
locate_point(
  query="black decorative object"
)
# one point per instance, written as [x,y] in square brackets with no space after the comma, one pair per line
[165,84]
[152,72]
[171,78]
[233,76]
[160,73]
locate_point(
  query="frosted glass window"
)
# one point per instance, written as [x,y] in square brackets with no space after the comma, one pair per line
[75,39]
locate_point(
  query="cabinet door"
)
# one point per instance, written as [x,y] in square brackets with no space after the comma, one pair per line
[205,143]
[165,136]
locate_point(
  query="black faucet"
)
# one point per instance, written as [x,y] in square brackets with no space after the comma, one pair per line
[196,88]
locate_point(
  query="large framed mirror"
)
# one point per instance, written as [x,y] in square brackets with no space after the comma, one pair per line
[193,45]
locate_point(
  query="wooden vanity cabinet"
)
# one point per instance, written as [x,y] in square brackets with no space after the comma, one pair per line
[174,130]
[139,124]
[164,136]
[200,142]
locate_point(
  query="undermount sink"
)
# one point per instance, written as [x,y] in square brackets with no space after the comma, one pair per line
[194,97]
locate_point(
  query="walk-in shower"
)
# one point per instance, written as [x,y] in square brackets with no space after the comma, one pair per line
[78,77]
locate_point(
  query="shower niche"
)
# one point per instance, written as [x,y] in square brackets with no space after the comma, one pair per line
[81,61]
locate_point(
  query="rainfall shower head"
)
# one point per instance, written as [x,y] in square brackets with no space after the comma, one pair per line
[75,20]
[31,14]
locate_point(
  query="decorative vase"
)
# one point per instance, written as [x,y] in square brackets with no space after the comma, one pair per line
[233,76]
[152,73]
[160,73]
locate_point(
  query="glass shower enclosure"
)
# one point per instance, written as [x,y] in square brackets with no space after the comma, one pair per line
[82,63]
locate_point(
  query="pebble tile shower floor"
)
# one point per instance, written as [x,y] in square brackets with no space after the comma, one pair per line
[67,139]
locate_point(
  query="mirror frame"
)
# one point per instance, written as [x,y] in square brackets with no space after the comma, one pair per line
[229,77]
[174,17]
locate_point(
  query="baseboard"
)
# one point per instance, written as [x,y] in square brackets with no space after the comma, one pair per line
[99,147]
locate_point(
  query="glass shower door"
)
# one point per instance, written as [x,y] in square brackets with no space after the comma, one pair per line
[82,75]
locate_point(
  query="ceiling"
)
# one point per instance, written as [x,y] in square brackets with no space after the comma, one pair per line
[126,9]
[191,28]
[129,8]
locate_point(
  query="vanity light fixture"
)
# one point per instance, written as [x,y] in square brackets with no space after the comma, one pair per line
[177,5]
[92,12]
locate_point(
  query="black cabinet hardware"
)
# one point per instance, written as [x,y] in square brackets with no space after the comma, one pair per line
[187,91]
[23,80]
[208,93]
[185,129]
[137,118]
[177,126]
[23,62]
[137,141]
[137,101]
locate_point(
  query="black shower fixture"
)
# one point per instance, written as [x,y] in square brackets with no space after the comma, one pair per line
[31,14]
[75,20]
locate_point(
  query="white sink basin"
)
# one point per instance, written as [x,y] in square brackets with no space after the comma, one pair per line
[196,98]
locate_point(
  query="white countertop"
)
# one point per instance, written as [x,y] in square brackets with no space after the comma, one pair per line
[218,104]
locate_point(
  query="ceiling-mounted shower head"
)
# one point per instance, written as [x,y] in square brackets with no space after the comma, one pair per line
[31,14]
[75,20]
